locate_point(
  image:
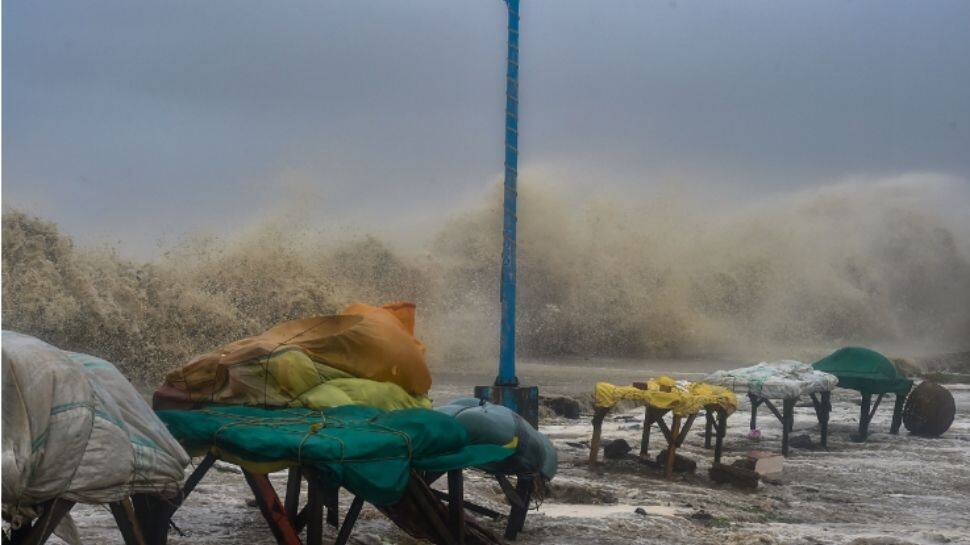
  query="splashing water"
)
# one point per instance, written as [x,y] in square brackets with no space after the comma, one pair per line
[853,263]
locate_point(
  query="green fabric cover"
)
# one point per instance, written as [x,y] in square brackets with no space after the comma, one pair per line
[365,450]
[864,370]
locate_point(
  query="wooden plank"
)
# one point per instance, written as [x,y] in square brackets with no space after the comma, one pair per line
[423,498]
[272,509]
[473,507]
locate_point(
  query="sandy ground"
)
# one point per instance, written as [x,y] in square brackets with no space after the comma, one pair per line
[890,490]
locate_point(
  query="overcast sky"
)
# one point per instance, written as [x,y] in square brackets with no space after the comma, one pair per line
[140,121]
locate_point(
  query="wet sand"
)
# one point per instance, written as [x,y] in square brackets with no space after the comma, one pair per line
[891,490]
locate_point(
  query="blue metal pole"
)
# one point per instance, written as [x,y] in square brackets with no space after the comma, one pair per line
[506,372]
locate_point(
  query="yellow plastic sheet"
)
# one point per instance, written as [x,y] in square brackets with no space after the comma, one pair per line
[683,398]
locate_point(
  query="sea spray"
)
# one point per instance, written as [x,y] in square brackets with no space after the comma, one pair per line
[852,263]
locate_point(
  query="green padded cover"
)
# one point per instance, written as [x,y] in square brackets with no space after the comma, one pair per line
[864,370]
[367,451]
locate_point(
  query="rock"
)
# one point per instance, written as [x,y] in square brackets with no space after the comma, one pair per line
[563,406]
[641,511]
[722,473]
[801,441]
[761,462]
[579,493]
[682,464]
[616,449]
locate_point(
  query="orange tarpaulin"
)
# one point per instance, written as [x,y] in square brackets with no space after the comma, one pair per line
[375,343]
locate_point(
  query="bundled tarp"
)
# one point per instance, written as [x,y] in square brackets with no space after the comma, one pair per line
[681,397]
[864,370]
[368,451]
[490,424]
[367,355]
[75,428]
[785,379]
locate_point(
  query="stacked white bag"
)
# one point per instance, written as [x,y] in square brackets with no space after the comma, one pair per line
[785,379]
[74,427]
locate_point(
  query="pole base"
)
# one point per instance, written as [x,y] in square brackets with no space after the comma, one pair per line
[523,400]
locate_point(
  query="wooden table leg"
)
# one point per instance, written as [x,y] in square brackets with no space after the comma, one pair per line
[314,502]
[898,411]
[42,529]
[456,504]
[349,520]
[272,509]
[824,413]
[124,515]
[672,447]
[708,427]
[721,432]
[787,422]
[294,480]
[755,401]
[523,490]
[599,414]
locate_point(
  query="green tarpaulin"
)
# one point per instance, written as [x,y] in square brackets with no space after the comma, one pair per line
[365,450]
[864,370]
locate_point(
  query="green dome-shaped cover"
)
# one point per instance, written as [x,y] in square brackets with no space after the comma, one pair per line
[864,370]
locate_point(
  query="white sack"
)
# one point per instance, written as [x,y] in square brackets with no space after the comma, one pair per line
[785,379]
[74,427]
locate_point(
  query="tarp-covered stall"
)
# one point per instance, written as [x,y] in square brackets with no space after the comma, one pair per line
[75,430]
[662,395]
[786,380]
[870,373]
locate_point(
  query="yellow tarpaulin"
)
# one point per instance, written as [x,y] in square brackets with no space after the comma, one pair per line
[683,398]
[287,363]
